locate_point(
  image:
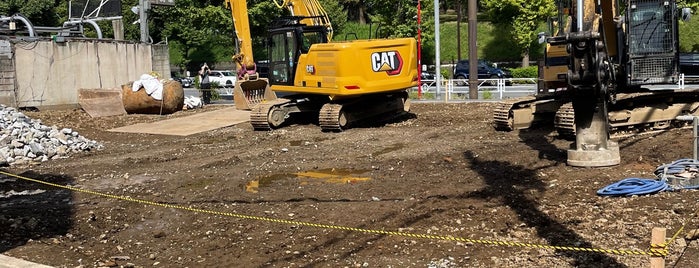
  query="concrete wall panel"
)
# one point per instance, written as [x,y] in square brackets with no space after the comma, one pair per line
[50,74]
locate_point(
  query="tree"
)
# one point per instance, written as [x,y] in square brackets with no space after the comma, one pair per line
[398,18]
[356,10]
[338,16]
[39,12]
[522,17]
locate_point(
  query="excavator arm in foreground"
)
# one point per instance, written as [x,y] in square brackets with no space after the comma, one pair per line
[622,62]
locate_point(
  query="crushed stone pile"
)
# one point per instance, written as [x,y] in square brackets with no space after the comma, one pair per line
[24,140]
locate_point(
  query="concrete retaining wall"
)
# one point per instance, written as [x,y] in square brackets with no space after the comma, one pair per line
[45,74]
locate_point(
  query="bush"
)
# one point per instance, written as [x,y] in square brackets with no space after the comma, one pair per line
[487,95]
[525,72]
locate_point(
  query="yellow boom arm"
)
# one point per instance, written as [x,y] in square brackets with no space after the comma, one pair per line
[244,59]
[239,11]
[308,8]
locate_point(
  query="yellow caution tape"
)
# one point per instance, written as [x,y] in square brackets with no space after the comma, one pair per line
[656,250]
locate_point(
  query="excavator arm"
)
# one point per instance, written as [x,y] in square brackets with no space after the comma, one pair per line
[241,24]
[249,89]
[312,12]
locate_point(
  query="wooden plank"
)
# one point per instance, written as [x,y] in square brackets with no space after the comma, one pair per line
[188,125]
[11,262]
[101,102]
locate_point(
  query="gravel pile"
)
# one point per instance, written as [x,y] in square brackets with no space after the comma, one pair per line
[24,140]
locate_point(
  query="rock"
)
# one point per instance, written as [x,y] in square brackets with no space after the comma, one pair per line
[25,140]
[692,234]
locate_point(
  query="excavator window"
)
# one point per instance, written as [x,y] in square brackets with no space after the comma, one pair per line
[651,29]
[286,45]
[310,38]
[282,58]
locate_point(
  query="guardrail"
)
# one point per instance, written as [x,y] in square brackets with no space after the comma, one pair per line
[458,89]
[494,89]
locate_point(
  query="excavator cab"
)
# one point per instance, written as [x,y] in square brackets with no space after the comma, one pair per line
[287,42]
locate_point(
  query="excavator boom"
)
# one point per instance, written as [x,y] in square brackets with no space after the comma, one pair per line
[312,12]
[250,89]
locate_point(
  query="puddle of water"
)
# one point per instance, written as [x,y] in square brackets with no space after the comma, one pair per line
[332,175]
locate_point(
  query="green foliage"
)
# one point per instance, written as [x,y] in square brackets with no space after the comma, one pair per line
[353,31]
[494,44]
[521,17]
[525,72]
[689,35]
[424,95]
[397,18]
[487,95]
[447,18]
[338,16]
[39,12]
[445,72]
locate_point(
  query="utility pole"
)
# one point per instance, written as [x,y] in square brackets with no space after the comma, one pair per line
[419,50]
[143,5]
[472,51]
[437,47]
[458,29]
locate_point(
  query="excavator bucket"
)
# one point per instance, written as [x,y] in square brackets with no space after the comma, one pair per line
[248,93]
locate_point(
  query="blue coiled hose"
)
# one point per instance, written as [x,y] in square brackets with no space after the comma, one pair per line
[638,186]
[633,186]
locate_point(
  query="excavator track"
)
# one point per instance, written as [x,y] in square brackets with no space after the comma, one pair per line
[637,113]
[525,112]
[268,115]
[565,121]
[381,107]
[332,118]
[502,115]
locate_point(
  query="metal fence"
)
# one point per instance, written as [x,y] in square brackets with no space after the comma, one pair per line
[498,89]
[488,89]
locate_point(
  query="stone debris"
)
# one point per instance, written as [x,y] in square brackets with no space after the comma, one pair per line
[25,140]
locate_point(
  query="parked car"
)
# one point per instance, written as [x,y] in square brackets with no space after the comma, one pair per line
[486,70]
[223,78]
[429,76]
[185,81]
[689,65]
[428,79]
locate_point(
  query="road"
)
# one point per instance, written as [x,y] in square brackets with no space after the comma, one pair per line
[225,99]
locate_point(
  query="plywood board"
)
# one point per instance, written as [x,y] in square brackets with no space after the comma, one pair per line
[101,102]
[193,124]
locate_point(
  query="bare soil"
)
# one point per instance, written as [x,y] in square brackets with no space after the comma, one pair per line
[442,170]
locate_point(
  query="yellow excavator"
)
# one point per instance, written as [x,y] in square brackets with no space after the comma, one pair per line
[540,109]
[339,83]
[622,70]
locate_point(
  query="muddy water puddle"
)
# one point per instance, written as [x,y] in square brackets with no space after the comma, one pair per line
[322,176]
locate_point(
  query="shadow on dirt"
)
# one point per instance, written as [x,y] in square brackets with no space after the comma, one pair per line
[29,210]
[538,140]
[513,186]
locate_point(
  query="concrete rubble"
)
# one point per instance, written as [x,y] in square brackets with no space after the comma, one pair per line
[24,140]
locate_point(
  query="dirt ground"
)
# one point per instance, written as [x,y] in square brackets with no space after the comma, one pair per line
[299,197]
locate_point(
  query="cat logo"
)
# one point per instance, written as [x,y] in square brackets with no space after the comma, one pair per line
[387,61]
